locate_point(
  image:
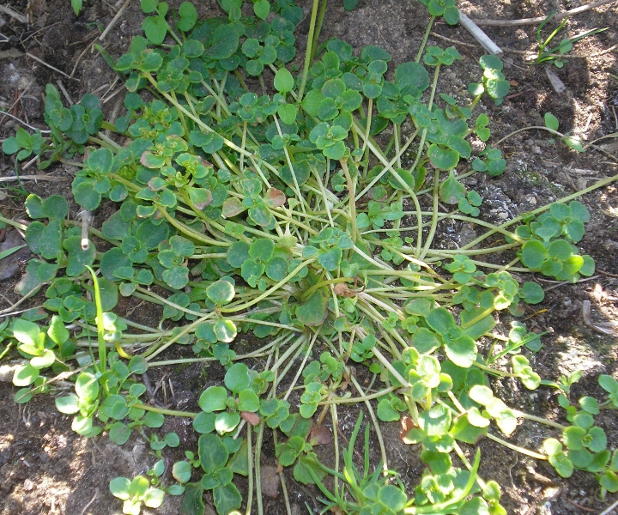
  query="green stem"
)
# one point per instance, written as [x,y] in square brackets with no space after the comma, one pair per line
[99,320]
[163,411]
[434,218]
[241,307]
[309,50]
[516,448]
[540,420]
[425,38]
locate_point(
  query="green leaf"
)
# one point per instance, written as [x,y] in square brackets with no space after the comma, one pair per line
[393,497]
[574,142]
[237,378]
[227,498]
[551,122]
[462,351]
[262,249]
[532,293]
[193,502]
[386,412]
[284,82]
[86,196]
[225,330]
[155,28]
[226,422]
[220,292]
[440,320]
[533,253]
[100,161]
[442,157]
[287,113]
[314,310]
[212,452]
[451,191]
[119,433]
[464,430]
[26,332]
[44,360]
[204,422]
[182,471]
[153,497]
[55,207]
[119,487]
[154,420]
[78,257]
[188,16]
[69,404]
[214,398]
[248,401]
[176,277]
[11,145]
[87,386]
[225,43]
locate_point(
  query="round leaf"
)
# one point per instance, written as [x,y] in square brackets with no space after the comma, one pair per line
[284,82]
[213,399]
[221,292]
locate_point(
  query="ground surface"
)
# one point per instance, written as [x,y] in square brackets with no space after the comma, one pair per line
[46,468]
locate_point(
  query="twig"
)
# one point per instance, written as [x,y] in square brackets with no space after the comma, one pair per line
[607,273]
[39,60]
[114,20]
[94,498]
[479,35]
[539,19]
[19,98]
[455,41]
[80,56]
[34,178]
[610,509]
[531,54]
[64,92]
[580,506]
[43,131]
[14,14]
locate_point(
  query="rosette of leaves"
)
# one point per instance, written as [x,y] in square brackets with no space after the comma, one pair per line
[445,8]
[493,81]
[548,249]
[222,406]
[71,127]
[491,161]
[23,144]
[297,449]
[40,347]
[135,492]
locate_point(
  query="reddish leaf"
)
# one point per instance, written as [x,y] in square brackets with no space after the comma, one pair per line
[252,418]
[275,197]
[407,424]
[232,207]
[320,435]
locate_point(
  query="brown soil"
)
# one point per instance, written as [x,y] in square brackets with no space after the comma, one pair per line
[47,469]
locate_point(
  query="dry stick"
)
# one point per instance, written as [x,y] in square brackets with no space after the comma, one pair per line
[18,98]
[610,509]
[14,14]
[43,131]
[539,19]
[80,56]
[455,41]
[114,20]
[39,60]
[34,178]
[479,35]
